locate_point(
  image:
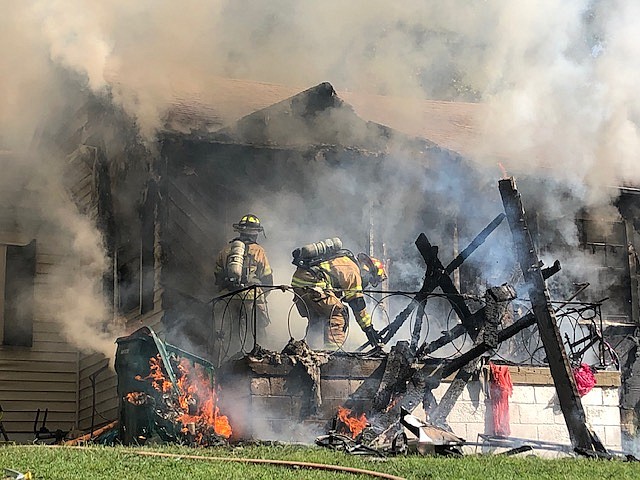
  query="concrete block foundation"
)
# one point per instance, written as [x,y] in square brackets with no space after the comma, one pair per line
[275,402]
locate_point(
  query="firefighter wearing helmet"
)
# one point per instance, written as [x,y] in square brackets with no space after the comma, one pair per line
[326,280]
[242,263]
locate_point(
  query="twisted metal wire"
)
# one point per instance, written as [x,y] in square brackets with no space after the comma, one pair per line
[576,320]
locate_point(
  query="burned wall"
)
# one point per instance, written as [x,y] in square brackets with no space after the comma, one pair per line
[271,402]
[368,198]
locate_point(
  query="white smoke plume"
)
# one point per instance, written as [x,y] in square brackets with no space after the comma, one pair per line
[556,79]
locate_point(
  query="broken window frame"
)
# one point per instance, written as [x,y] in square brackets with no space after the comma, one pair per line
[134,265]
[16,325]
[592,242]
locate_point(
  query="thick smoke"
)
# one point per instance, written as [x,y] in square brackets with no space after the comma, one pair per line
[556,80]
[558,77]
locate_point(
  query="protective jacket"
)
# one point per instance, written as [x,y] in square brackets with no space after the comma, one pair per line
[234,315]
[256,268]
[320,292]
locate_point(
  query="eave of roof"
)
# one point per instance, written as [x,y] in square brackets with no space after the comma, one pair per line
[451,125]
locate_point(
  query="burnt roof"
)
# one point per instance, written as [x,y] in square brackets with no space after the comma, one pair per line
[314,117]
[199,111]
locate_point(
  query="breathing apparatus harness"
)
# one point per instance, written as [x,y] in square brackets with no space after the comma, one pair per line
[239,263]
[311,256]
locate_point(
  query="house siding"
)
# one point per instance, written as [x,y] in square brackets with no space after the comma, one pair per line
[83,185]
[187,230]
[43,376]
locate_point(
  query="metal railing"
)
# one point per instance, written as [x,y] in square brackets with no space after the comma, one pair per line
[236,326]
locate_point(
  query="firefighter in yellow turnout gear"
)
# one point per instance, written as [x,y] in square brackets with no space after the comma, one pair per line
[242,263]
[326,280]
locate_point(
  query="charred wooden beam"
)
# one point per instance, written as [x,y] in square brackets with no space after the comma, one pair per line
[417,326]
[477,318]
[475,243]
[413,385]
[446,338]
[516,327]
[431,282]
[440,278]
[417,385]
[506,333]
[497,302]
[564,381]
[398,361]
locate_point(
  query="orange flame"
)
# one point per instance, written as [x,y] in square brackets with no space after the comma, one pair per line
[136,398]
[392,404]
[197,398]
[355,424]
[156,377]
[199,394]
[503,170]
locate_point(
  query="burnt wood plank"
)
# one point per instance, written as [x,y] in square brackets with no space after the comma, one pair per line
[563,378]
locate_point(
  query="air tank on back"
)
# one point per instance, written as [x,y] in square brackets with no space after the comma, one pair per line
[235,262]
[324,248]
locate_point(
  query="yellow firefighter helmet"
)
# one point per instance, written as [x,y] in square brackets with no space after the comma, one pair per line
[248,224]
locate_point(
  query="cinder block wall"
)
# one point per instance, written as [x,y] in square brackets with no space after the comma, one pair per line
[272,402]
[534,409]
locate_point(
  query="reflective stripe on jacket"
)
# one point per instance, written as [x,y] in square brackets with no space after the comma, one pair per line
[340,274]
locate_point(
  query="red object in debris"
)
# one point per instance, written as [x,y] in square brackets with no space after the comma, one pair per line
[585,379]
[500,390]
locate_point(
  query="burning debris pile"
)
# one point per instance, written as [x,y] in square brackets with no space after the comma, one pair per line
[354,434]
[166,394]
[410,375]
[171,395]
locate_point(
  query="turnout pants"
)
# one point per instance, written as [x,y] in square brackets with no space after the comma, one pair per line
[327,317]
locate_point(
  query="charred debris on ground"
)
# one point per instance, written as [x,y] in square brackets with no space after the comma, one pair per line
[169,395]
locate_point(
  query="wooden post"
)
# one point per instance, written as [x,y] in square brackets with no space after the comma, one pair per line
[563,379]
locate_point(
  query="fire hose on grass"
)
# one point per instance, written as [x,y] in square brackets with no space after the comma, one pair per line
[258,461]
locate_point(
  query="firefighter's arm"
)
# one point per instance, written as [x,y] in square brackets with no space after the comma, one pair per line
[356,301]
[353,295]
[267,278]
[303,310]
[364,321]
[266,274]
[360,311]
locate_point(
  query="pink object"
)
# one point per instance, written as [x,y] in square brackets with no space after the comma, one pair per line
[500,390]
[585,379]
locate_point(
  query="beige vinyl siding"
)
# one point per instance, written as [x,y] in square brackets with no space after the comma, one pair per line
[106,400]
[83,189]
[191,234]
[44,376]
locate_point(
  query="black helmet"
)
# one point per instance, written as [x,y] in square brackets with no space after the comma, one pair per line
[248,224]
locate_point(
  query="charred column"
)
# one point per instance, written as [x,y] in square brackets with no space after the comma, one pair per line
[437,275]
[545,317]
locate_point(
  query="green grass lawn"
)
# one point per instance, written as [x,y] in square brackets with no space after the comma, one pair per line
[123,462]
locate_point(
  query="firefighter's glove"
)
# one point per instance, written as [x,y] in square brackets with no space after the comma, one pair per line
[374,337]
